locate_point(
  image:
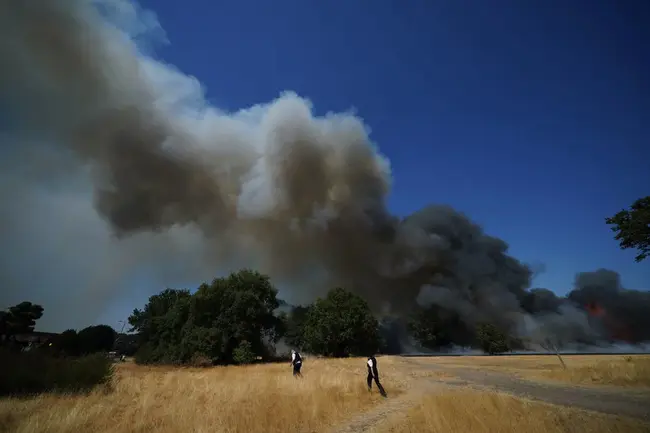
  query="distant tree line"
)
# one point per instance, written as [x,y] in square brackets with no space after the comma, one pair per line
[20,320]
[235,319]
[93,339]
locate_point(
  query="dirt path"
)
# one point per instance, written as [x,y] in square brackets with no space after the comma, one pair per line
[605,400]
[391,406]
[615,402]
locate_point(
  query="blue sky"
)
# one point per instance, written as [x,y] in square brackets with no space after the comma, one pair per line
[531,117]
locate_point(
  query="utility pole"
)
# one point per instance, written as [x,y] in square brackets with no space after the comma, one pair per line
[119,336]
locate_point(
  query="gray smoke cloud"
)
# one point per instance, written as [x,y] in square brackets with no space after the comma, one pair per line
[114,165]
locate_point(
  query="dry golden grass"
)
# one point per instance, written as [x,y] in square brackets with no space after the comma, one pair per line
[629,371]
[616,370]
[260,398]
[490,412]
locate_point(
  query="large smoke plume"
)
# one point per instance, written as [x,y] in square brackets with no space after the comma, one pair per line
[113,164]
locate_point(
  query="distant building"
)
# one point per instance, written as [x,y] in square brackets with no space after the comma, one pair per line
[34,339]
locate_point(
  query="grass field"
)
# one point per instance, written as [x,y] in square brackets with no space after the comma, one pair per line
[466,411]
[267,399]
[615,370]
[259,398]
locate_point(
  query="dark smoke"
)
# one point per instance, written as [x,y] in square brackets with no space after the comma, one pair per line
[115,164]
[541,300]
[620,314]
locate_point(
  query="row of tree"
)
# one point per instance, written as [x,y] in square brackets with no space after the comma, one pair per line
[234,320]
[93,339]
[20,320]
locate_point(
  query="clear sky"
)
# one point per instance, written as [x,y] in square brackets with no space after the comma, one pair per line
[533,117]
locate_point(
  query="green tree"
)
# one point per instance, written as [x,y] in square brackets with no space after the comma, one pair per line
[22,318]
[19,319]
[632,227]
[160,326]
[492,340]
[237,308]
[93,339]
[68,343]
[145,322]
[341,324]
[176,327]
[295,325]
[243,353]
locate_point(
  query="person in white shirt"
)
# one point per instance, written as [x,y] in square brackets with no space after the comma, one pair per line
[296,361]
[373,374]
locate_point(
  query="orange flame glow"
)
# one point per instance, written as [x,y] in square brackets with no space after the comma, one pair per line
[595,310]
[617,330]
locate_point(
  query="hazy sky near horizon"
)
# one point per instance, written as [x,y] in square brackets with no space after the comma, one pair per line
[533,118]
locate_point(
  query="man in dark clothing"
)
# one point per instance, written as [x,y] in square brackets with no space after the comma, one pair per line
[296,361]
[373,373]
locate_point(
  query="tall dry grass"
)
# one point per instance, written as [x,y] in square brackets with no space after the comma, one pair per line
[615,370]
[259,398]
[625,371]
[490,412]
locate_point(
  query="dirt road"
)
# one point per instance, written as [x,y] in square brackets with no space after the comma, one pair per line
[605,400]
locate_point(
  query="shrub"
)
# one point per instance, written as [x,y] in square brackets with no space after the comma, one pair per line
[243,354]
[144,355]
[200,360]
[36,372]
[492,340]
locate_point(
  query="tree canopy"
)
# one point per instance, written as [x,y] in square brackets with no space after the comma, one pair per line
[68,343]
[632,227]
[341,324]
[176,326]
[492,340]
[19,319]
[98,338]
[295,325]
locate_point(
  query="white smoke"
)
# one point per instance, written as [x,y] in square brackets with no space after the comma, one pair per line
[104,141]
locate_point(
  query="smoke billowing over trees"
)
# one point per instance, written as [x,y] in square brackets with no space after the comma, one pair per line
[156,178]
[238,319]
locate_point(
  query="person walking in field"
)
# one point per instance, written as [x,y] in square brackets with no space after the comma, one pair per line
[296,361]
[373,374]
